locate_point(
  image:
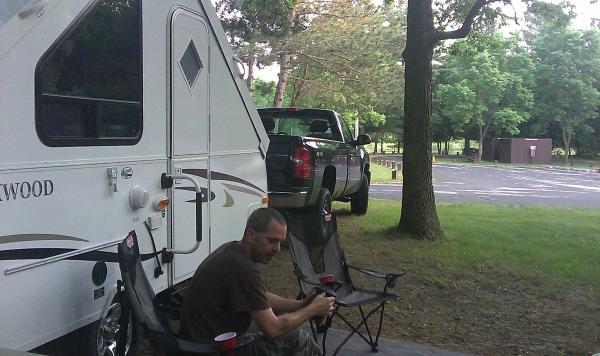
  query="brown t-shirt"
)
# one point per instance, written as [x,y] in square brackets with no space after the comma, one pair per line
[224,289]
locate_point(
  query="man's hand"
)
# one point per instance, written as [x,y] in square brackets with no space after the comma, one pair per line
[321,305]
[273,325]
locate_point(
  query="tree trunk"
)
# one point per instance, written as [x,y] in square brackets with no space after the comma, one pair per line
[419,215]
[375,149]
[567,144]
[446,148]
[479,150]
[298,86]
[381,146]
[467,147]
[250,78]
[284,63]
[482,133]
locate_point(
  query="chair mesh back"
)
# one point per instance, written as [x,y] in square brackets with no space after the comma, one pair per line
[139,292]
[314,255]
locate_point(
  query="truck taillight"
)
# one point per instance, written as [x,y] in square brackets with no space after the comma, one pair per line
[302,163]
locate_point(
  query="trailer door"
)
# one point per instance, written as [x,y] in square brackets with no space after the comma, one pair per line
[189,147]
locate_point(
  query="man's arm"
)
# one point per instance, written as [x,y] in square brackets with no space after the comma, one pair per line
[286,305]
[272,325]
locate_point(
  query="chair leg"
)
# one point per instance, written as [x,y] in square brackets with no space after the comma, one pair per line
[355,329]
[345,339]
[380,323]
[123,319]
[362,314]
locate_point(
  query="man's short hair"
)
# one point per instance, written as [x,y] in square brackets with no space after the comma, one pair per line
[260,218]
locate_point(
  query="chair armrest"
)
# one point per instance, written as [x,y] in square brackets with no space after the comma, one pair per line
[390,278]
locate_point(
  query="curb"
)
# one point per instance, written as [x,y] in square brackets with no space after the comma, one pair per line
[584,170]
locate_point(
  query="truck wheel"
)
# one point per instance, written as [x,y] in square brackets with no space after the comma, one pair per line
[103,334]
[359,201]
[323,209]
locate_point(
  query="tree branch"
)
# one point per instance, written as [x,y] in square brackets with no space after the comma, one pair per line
[464,30]
[321,62]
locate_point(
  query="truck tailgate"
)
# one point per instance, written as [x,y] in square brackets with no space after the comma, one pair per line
[279,161]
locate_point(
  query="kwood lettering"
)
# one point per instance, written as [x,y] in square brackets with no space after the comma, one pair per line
[26,190]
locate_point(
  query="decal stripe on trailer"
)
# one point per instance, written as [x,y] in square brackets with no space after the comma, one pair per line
[220,176]
[40,253]
[38,237]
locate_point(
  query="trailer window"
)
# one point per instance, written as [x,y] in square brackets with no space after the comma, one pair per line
[89,83]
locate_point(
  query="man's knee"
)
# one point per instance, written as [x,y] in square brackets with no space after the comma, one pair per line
[295,342]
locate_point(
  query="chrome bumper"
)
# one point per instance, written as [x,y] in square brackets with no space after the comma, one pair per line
[287,199]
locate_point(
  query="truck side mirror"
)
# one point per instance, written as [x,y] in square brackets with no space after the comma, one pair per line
[362,139]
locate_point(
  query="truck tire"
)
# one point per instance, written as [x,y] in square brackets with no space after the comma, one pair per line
[323,209]
[102,334]
[359,201]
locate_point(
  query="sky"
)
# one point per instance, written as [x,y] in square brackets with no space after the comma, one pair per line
[585,11]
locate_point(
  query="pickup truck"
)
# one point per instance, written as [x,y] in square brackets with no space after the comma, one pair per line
[313,159]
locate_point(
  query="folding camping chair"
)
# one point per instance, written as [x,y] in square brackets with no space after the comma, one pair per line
[136,294]
[314,256]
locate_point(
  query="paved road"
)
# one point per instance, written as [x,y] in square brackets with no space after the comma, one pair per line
[506,185]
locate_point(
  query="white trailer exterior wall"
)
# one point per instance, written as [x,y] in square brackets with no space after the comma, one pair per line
[60,218]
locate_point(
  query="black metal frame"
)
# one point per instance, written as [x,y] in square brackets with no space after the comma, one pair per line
[390,282]
[142,302]
[383,296]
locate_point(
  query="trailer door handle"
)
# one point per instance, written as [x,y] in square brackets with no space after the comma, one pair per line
[167,182]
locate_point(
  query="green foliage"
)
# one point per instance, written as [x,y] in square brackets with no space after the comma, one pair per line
[263,92]
[566,74]
[544,14]
[484,81]
[346,56]
[348,60]
[452,110]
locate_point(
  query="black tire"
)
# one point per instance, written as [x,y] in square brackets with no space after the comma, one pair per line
[101,335]
[359,201]
[323,209]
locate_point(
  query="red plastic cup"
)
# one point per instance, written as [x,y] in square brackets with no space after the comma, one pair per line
[326,279]
[227,343]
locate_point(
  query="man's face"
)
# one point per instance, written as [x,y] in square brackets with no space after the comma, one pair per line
[265,245]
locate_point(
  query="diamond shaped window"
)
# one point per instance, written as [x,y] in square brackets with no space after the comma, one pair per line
[191,64]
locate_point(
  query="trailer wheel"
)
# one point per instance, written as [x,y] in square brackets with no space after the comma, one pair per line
[103,333]
[323,209]
[359,201]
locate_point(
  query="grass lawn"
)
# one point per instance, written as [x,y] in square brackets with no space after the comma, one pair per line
[506,280]
[560,247]
[382,174]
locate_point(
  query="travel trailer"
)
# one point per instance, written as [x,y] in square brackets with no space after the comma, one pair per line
[116,115]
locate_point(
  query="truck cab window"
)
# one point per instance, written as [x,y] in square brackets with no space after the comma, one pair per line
[348,137]
[89,83]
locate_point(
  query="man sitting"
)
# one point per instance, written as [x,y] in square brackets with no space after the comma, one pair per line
[227,293]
